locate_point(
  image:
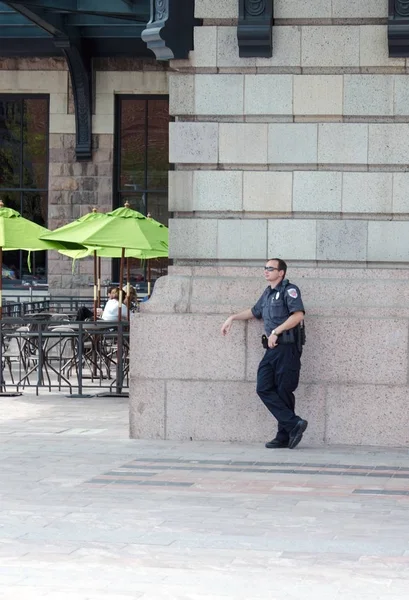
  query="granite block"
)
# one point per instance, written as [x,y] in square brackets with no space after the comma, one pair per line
[242,239]
[359,9]
[388,143]
[243,143]
[233,412]
[62,123]
[330,46]
[318,94]
[367,415]
[388,241]
[287,48]
[268,95]
[217,190]
[170,295]
[226,295]
[180,190]
[228,49]
[193,142]
[205,48]
[58,104]
[306,9]
[147,407]
[315,191]
[367,193]
[400,192]
[368,95]
[267,191]
[343,143]
[292,143]
[181,94]
[183,356]
[373,47]
[342,240]
[104,104]
[401,95]
[349,350]
[209,9]
[292,239]
[219,94]
[192,238]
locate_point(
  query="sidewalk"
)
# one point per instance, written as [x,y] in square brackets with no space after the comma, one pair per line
[86,513]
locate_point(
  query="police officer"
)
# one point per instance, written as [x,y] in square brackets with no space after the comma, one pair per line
[282,311]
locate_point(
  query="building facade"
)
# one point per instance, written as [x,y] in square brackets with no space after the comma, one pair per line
[84,123]
[303,155]
[288,136]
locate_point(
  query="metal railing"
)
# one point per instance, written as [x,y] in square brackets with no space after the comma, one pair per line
[59,304]
[54,353]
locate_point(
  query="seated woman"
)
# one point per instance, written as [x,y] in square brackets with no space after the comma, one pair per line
[133,298]
[111,307]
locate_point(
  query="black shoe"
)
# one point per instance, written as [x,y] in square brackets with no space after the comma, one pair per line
[296,433]
[276,444]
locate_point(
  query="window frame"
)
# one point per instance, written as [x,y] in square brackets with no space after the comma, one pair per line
[21,97]
[118,193]
[21,191]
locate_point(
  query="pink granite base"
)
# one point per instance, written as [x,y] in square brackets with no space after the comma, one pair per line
[188,382]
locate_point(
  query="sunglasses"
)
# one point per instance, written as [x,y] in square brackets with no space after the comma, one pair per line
[271,269]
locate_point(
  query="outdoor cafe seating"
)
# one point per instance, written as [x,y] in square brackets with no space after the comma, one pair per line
[52,350]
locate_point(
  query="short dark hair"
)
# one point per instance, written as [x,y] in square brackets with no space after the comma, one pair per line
[282,265]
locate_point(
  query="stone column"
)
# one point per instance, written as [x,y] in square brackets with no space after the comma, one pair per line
[303,156]
[75,189]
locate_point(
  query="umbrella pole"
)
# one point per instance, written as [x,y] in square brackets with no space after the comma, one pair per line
[119,371]
[95,285]
[149,279]
[99,283]
[121,283]
[128,289]
[1,283]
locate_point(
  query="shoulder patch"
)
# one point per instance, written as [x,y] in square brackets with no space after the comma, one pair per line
[293,293]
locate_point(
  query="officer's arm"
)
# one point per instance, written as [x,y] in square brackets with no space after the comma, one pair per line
[245,315]
[292,321]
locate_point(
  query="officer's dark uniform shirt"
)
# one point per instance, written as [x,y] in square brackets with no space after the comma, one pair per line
[276,305]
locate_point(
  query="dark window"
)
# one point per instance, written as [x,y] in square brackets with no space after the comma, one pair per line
[24,176]
[142,165]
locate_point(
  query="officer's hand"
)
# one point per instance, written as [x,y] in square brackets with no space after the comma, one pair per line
[227,326]
[272,340]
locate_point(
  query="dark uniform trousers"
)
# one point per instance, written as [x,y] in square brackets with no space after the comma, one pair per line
[277,379]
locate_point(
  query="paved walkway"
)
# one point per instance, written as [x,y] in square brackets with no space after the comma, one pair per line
[86,513]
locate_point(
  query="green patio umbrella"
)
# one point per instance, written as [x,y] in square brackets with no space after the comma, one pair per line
[83,221]
[122,228]
[18,233]
[113,253]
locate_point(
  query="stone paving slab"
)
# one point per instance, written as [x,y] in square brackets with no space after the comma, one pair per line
[87,514]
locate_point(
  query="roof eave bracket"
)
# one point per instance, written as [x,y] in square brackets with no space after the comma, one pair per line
[254,30]
[398,28]
[169,32]
[80,67]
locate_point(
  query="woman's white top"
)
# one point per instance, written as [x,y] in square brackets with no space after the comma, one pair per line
[111,310]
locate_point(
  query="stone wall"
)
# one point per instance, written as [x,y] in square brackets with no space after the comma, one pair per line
[77,187]
[303,155]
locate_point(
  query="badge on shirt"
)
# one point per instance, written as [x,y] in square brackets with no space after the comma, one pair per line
[277,295]
[293,293]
